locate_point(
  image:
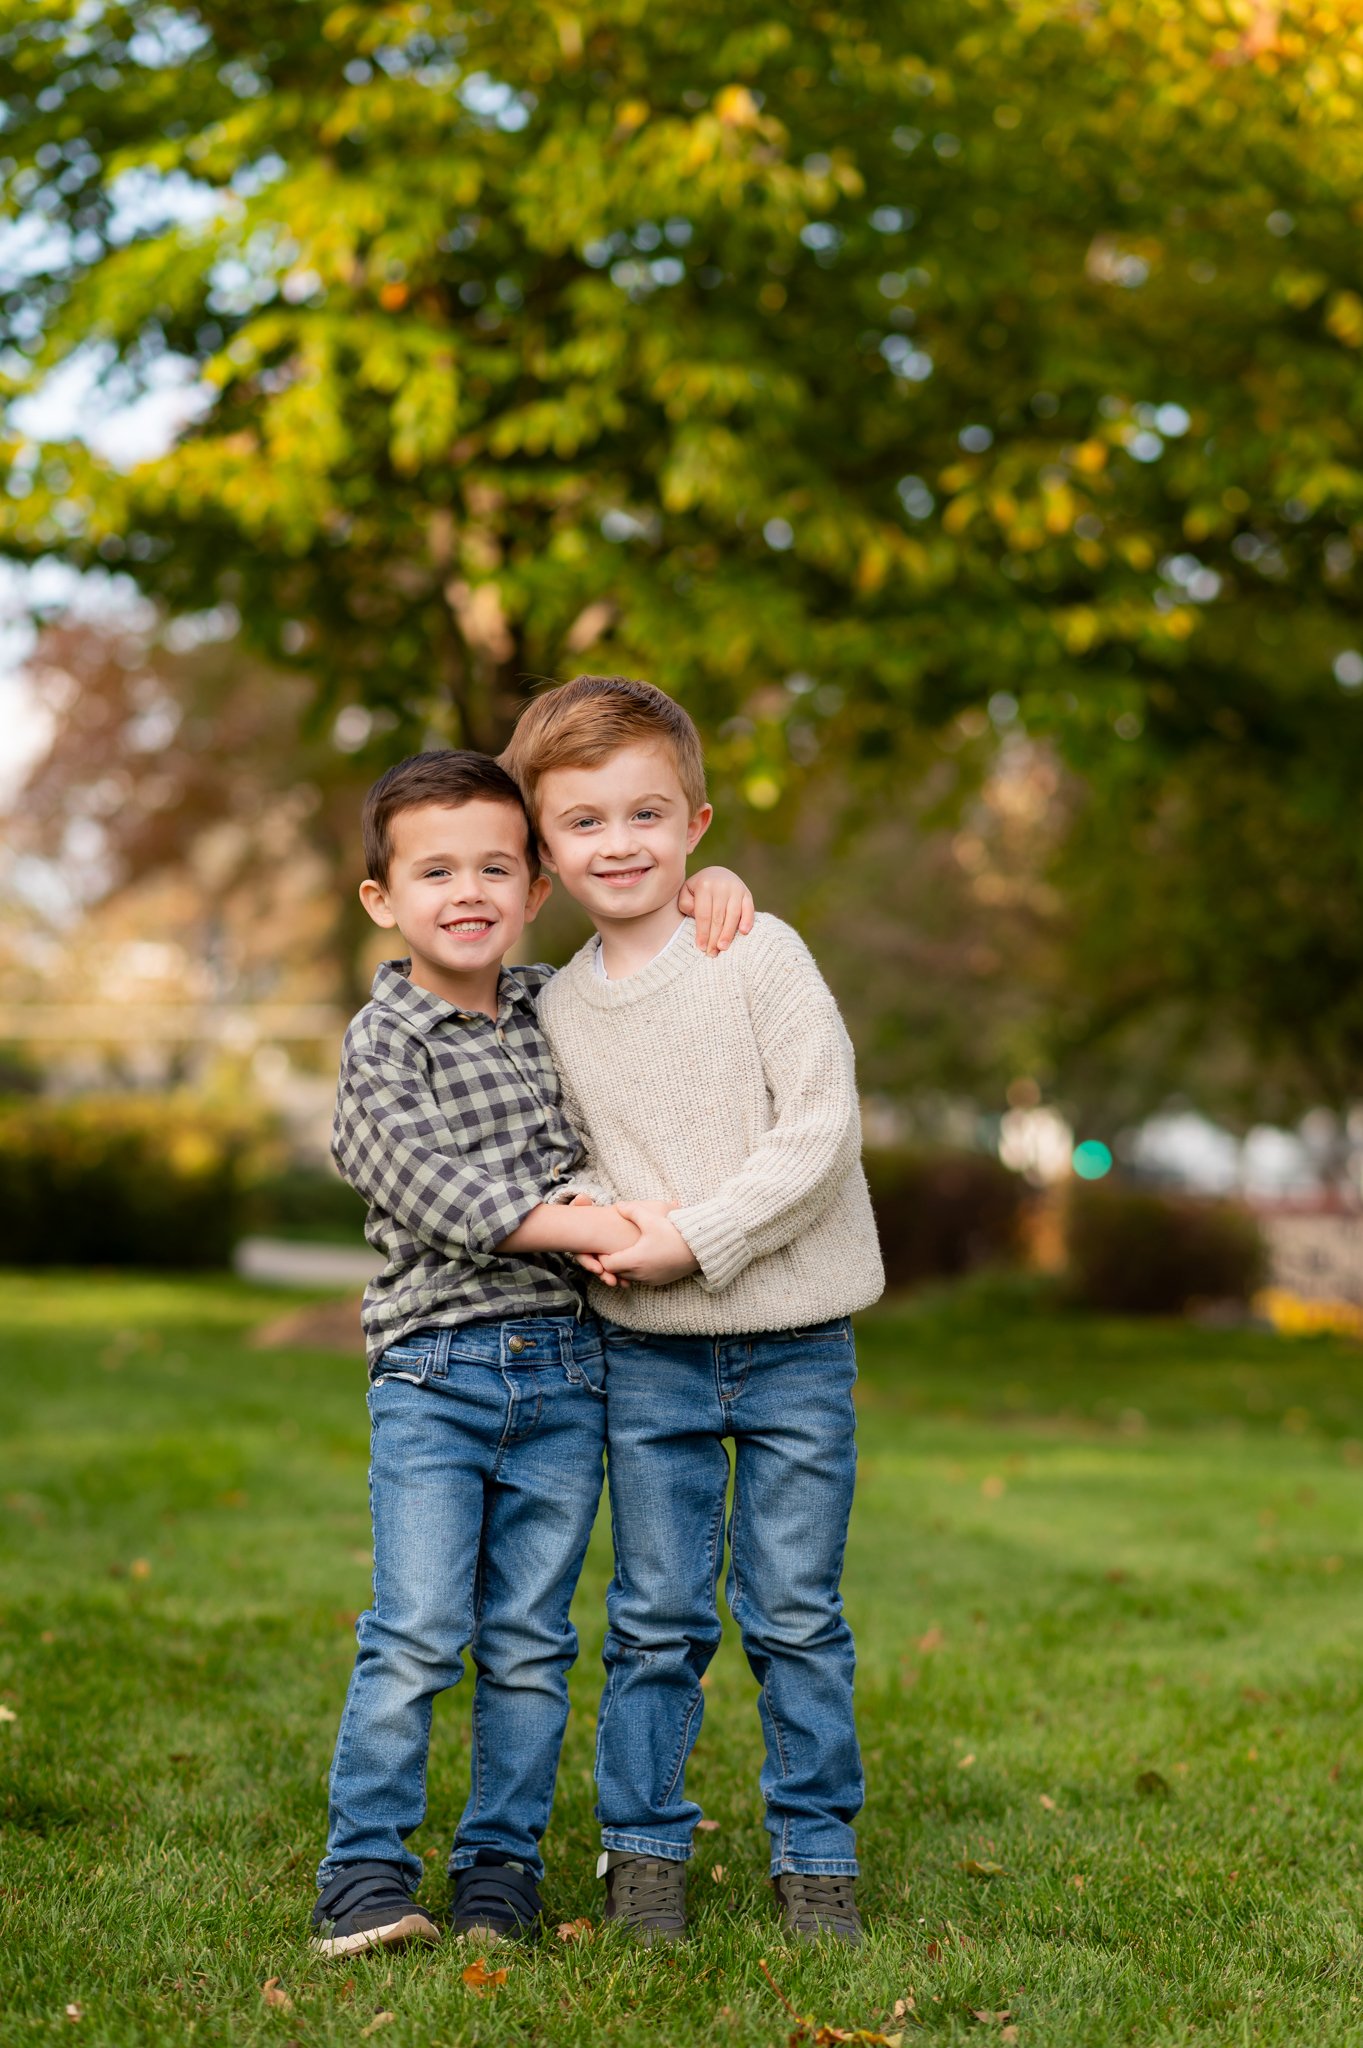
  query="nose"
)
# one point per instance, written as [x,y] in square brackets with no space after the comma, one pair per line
[618,840]
[466,889]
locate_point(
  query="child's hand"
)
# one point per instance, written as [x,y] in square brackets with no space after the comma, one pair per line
[660,1255]
[722,906]
[613,1232]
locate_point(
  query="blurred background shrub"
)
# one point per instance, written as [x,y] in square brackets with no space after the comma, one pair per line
[305,1202]
[1135,1253]
[940,1213]
[131,1180]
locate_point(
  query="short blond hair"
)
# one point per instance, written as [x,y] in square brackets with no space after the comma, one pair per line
[582,723]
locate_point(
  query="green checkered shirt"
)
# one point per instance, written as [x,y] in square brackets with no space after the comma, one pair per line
[448,1122]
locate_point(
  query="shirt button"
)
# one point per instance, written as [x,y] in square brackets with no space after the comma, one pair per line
[515,1344]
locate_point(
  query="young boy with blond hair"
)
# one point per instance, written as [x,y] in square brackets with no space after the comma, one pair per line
[718,1101]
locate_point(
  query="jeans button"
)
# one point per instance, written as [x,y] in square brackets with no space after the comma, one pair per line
[515,1344]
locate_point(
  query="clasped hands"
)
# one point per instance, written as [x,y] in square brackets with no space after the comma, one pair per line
[650,1249]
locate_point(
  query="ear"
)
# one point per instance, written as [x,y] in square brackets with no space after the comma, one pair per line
[376,903]
[537,896]
[698,826]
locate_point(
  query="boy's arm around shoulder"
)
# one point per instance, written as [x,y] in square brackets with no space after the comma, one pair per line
[392,1141]
[814,1141]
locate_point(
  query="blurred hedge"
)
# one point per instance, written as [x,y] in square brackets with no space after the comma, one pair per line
[307,1203]
[1135,1253]
[127,1180]
[941,1213]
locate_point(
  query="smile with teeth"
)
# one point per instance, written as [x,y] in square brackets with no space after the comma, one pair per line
[468,927]
[621,875]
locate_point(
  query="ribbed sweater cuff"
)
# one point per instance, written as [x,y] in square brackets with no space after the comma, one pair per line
[719,1245]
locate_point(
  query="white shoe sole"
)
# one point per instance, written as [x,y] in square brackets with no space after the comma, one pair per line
[411,1927]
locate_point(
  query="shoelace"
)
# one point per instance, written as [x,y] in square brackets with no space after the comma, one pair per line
[498,1894]
[647,1890]
[825,1898]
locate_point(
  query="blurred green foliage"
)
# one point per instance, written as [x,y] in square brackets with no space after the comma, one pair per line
[943,1213]
[1130,1252]
[120,1181]
[905,348]
[307,1203]
[838,368]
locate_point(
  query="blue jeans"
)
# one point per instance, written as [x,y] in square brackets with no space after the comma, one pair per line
[785,1397]
[484,1479]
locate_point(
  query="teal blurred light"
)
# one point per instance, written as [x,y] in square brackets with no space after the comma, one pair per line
[1091,1160]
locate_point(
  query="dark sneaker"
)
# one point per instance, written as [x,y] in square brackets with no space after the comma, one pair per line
[495,1901]
[646,1894]
[814,1907]
[368,1905]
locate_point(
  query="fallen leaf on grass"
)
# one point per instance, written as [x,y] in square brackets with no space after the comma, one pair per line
[8,1714]
[140,1568]
[706,1827]
[808,2029]
[347,1990]
[75,2012]
[580,1929]
[1049,1803]
[989,2019]
[974,1866]
[1008,2034]
[380,2019]
[1078,1882]
[717,1872]
[479,1978]
[966,1762]
[1152,1785]
[273,1992]
[933,1640]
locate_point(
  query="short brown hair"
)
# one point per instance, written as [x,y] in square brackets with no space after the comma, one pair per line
[582,723]
[452,776]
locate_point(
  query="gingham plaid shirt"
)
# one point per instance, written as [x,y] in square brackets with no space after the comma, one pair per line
[449,1124]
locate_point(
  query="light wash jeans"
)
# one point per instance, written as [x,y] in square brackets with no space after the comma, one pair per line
[484,1478]
[785,1398]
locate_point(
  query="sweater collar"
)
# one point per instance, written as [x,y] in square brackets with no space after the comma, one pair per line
[679,956]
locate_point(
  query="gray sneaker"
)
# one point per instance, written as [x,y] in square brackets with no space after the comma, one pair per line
[813,1908]
[646,1894]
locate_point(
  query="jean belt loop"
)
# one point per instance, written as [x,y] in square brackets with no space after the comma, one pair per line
[441,1360]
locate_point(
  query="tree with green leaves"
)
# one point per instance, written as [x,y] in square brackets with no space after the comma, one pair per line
[837,369]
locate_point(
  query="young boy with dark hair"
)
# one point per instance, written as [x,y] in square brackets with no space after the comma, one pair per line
[486,1393]
[719,1096]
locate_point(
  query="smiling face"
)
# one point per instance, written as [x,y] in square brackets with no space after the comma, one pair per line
[460,890]
[618,835]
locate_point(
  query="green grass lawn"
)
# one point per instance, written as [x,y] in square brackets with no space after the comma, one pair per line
[1105,1580]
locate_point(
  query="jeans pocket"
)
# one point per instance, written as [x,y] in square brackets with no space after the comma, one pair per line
[410,1362]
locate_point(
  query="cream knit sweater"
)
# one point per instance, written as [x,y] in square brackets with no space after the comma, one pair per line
[726,1086]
